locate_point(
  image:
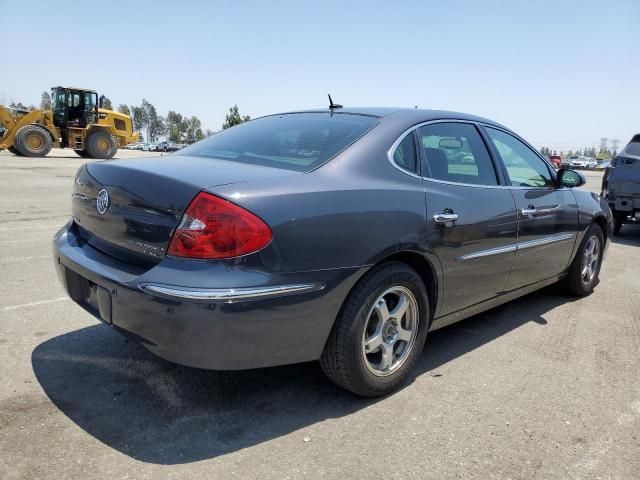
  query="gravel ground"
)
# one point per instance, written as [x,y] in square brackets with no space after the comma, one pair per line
[545,387]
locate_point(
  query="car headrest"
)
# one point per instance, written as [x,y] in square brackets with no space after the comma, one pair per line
[438,163]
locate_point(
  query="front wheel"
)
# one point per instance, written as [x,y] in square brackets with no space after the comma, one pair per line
[584,271]
[33,141]
[379,333]
[100,145]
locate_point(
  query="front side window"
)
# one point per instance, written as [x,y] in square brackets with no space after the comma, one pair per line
[296,141]
[524,167]
[405,154]
[455,152]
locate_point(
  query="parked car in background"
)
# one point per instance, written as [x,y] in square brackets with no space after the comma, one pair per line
[146,147]
[133,146]
[339,235]
[603,165]
[621,185]
[582,162]
[168,146]
[555,160]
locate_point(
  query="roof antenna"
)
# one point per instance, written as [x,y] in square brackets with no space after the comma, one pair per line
[333,105]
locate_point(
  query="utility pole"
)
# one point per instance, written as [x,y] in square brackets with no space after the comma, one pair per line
[615,143]
[603,143]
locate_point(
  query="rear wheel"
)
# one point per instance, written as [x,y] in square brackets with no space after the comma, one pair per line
[100,144]
[585,268]
[33,141]
[380,332]
[13,150]
[618,220]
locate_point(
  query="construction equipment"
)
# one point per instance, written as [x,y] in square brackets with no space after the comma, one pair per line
[75,121]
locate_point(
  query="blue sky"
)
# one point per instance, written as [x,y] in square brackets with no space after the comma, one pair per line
[561,73]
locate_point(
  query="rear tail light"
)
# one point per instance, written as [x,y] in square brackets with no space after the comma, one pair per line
[214,228]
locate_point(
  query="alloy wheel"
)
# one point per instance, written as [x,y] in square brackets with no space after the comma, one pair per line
[390,331]
[590,259]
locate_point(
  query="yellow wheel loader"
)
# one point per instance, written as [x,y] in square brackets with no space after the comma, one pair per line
[75,121]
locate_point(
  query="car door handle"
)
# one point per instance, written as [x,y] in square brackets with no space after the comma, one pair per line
[532,211]
[446,218]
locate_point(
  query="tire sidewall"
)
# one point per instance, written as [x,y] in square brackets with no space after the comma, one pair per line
[21,143]
[585,288]
[92,148]
[402,276]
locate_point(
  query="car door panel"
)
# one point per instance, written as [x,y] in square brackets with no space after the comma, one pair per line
[476,250]
[546,237]
[547,214]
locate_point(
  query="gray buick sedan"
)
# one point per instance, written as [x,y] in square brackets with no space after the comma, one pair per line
[340,235]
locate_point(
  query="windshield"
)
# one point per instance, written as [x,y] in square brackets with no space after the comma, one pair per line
[296,141]
[58,99]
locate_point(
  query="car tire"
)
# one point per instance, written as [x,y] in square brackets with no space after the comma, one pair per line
[100,145]
[585,268]
[370,352]
[33,141]
[617,225]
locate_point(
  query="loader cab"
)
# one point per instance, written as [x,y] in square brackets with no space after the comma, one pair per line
[73,107]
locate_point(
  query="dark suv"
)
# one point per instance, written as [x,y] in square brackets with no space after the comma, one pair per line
[621,185]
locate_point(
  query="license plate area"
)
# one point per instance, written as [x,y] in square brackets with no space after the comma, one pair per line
[93,297]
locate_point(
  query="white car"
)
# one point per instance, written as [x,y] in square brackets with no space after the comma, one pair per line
[583,162]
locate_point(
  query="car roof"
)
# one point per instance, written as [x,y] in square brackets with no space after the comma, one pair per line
[412,115]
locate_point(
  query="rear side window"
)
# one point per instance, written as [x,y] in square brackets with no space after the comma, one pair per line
[405,155]
[525,168]
[455,152]
[296,141]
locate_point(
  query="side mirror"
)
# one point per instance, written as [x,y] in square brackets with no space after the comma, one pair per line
[570,178]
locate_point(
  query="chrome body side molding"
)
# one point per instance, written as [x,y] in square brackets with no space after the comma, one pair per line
[229,295]
[518,246]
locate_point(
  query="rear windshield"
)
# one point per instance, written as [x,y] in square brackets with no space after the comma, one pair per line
[295,141]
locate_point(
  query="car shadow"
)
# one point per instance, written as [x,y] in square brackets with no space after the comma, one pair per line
[629,235]
[162,413]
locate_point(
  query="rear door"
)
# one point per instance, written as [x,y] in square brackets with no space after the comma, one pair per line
[471,215]
[547,215]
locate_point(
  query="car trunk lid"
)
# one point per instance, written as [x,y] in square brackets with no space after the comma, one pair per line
[145,200]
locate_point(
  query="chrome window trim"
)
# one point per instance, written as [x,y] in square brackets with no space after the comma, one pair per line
[514,247]
[392,151]
[229,295]
[395,144]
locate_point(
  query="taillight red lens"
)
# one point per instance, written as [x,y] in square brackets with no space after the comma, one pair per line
[214,228]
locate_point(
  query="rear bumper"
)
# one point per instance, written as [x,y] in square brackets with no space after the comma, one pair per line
[202,315]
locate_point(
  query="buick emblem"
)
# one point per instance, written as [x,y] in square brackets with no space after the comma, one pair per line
[103,201]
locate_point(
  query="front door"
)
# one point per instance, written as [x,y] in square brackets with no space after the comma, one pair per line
[472,219]
[547,215]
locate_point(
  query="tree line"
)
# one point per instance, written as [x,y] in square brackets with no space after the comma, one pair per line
[145,118]
[603,153]
[174,126]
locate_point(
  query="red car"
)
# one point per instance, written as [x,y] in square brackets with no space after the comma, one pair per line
[555,160]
